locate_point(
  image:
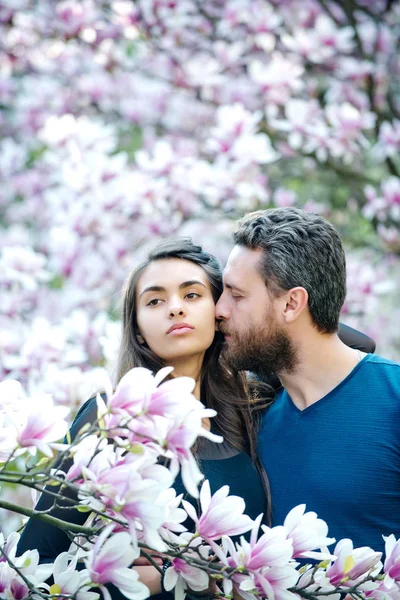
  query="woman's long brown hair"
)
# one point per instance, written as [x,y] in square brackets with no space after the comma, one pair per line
[227,392]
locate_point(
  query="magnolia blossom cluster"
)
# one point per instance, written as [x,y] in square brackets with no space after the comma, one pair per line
[114,472]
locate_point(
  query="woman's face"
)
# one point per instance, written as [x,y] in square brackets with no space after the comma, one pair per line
[175,309]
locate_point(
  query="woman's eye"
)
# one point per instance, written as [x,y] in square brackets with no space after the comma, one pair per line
[191,295]
[153,302]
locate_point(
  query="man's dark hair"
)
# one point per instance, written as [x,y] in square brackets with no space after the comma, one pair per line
[299,249]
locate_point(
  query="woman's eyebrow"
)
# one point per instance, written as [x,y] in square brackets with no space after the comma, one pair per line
[153,288]
[186,284]
[159,288]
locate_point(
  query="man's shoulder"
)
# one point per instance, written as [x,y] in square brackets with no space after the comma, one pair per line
[377,378]
[378,362]
[276,406]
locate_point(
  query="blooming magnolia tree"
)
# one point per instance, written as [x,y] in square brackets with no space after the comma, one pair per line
[111,470]
[124,120]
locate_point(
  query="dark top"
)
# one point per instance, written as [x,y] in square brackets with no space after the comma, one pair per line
[341,455]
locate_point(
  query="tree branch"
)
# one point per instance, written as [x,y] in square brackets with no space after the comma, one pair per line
[50,520]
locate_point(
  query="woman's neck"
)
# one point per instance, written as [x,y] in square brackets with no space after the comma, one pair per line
[189,367]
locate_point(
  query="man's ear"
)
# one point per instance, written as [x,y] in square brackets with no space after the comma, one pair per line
[296,300]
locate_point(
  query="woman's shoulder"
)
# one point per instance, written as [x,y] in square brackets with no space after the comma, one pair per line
[208,450]
[86,414]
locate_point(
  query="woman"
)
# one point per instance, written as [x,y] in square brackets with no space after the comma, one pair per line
[168,319]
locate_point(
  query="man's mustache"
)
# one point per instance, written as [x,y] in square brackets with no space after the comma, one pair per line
[222,328]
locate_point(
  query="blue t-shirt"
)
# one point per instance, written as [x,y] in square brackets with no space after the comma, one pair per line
[341,455]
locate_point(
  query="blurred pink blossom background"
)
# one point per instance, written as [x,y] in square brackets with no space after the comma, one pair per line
[124,121]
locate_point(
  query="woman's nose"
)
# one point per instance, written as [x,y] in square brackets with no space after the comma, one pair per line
[176,311]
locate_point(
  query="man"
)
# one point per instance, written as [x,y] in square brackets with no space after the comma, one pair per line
[331,439]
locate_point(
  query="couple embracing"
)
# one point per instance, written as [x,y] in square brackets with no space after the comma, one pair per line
[308,413]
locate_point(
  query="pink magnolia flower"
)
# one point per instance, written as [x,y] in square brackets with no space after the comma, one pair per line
[173,397]
[180,576]
[384,591]
[271,549]
[128,487]
[389,138]
[73,16]
[139,392]
[133,392]
[347,120]
[352,563]
[268,560]
[220,514]
[33,423]
[178,440]
[392,562]
[84,452]
[279,78]
[17,590]
[109,562]
[43,426]
[8,440]
[386,205]
[307,533]
[68,581]
[269,583]
[6,576]
[9,545]
[331,36]
[232,121]
[28,565]
[175,515]
[348,124]
[321,42]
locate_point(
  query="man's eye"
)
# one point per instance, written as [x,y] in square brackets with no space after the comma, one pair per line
[191,295]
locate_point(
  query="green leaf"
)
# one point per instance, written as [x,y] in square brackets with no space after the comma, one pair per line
[83,509]
[57,283]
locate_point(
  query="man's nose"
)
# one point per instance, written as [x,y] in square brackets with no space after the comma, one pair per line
[221,312]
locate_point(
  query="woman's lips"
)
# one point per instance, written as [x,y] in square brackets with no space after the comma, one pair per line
[179,328]
[180,331]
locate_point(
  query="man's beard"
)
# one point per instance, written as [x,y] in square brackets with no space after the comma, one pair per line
[264,352]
